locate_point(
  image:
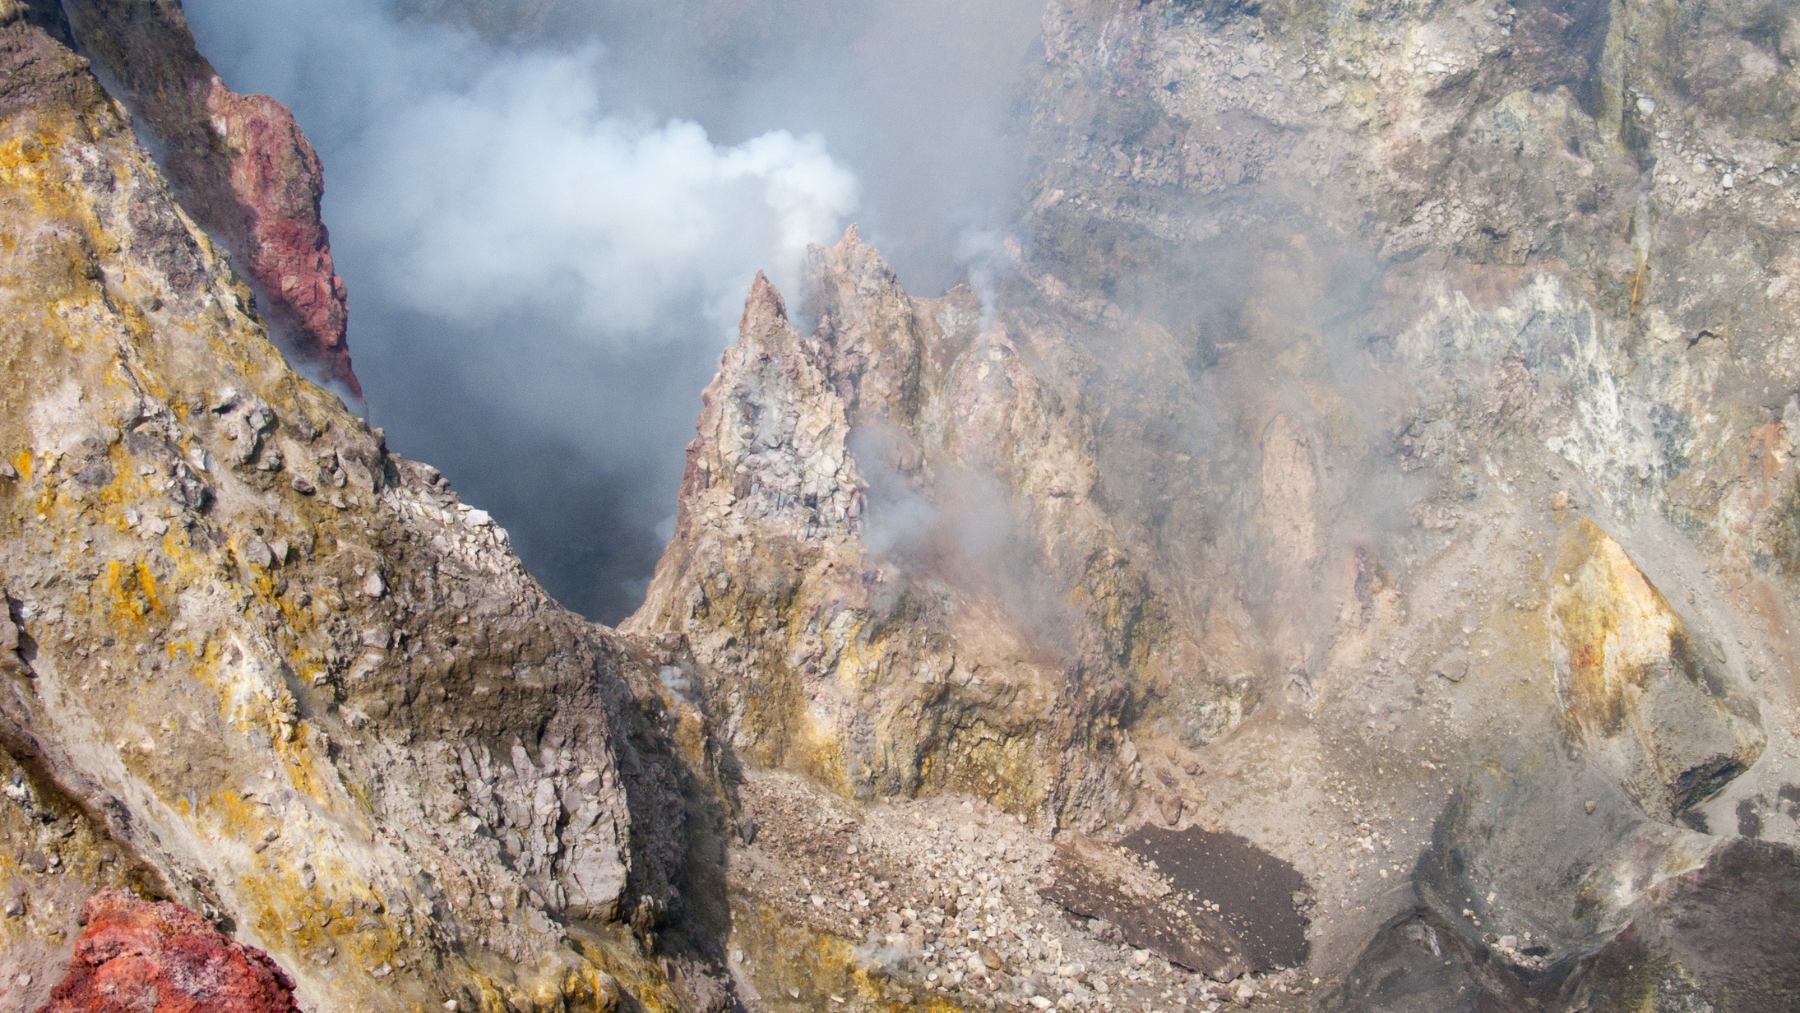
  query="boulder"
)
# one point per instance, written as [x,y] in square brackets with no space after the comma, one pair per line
[162,958]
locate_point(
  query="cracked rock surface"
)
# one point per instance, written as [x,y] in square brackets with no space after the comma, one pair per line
[1342,554]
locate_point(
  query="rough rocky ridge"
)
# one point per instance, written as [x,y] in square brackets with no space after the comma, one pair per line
[261,657]
[875,617]
[1367,475]
[241,165]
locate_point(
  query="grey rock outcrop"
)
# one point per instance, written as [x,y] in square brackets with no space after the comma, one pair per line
[1377,446]
[258,663]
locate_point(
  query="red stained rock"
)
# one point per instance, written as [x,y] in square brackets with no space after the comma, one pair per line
[163,958]
[275,177]
[240,165]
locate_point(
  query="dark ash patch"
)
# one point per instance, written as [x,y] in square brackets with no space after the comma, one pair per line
[1094,881]
[1259,896]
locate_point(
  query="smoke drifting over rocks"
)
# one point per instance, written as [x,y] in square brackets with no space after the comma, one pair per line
[548,218]
[1355,506]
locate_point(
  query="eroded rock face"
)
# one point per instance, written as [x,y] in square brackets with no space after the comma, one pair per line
[863,513]
[257,659]
[1350,385]
[1379,447]
[1645,691]
[241,165]
[163,958]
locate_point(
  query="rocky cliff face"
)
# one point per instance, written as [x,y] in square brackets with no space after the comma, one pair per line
[257,664]
[1350,531]
[240,165]
[1362,387]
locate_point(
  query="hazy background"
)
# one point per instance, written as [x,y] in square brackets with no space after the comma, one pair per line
[549,212]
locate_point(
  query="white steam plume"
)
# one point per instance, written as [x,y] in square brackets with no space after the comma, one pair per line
[542,272]
[485,182]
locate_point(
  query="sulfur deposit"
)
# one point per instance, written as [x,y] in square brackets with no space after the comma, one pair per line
[135,955]
[1340,552]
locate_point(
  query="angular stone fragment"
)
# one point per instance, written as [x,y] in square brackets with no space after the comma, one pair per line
[1643,690]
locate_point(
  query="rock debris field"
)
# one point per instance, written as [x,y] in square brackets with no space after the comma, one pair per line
[966,899]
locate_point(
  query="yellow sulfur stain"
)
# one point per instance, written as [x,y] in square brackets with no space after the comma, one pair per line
[789,956]
[130,588]
[858,662]
[1613,624]
[614,952]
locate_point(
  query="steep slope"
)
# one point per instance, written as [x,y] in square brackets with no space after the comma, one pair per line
[1351,528]
[1378,448]
[255,662]
[240,165]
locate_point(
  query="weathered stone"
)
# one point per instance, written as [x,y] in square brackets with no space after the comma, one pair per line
[242,165]
[162,957]
[1646,691]
[200,702]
